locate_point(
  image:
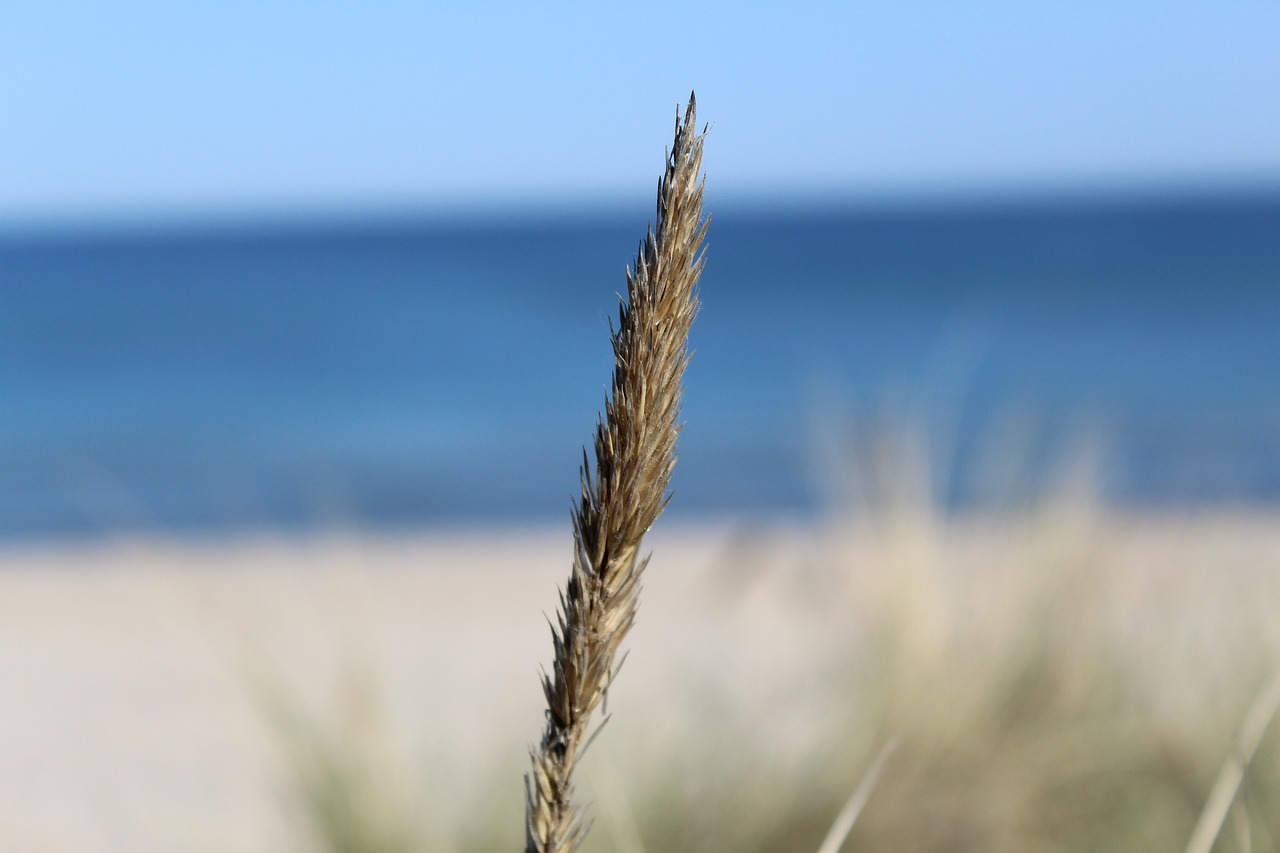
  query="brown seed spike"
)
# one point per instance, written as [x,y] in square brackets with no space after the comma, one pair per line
[634,447]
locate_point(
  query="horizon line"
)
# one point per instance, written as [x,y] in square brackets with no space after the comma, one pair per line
[287,218]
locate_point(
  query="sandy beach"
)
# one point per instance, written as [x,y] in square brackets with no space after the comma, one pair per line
[132,710]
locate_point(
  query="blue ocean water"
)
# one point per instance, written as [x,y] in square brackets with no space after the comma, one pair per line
[404,373]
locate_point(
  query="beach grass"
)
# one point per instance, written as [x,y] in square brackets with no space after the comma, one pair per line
[624,493]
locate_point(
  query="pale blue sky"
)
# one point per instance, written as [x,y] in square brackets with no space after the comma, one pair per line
[152,109]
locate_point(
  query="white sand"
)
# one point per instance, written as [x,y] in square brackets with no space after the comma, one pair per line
[126,722]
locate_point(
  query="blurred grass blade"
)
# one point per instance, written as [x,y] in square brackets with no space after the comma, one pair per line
[856,803]
[1230,777]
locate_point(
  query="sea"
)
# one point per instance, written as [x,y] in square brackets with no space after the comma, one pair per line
[408,372]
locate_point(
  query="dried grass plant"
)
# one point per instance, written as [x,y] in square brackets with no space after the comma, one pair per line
[635,444]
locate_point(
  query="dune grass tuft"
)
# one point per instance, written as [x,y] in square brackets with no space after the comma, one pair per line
[634,458]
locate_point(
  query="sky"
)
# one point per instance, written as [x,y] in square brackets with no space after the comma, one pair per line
[154,110]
